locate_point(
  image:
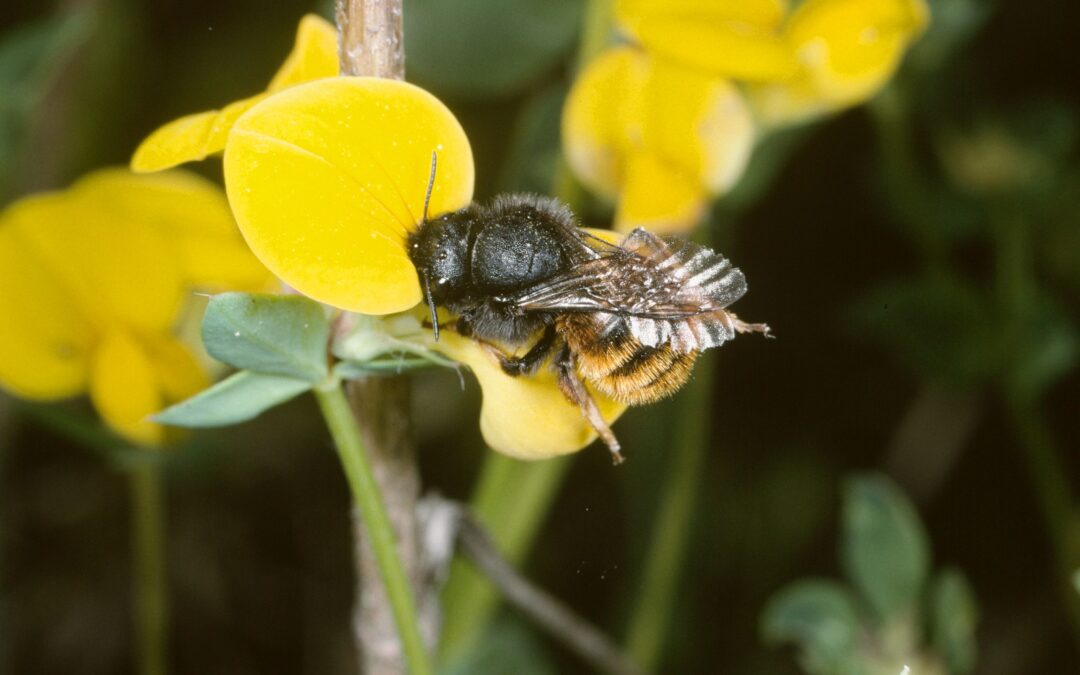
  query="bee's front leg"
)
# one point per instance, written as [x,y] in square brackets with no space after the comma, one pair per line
[574,390]
[527,363]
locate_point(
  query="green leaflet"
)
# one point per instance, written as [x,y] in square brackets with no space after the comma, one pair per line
[884,550]
[820,617]
[235,399]
[269,334]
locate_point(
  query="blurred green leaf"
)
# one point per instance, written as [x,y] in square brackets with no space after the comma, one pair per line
[821,618]
[884,547]
[270,334]
[508,647]
[936,325]
[487,47]
[1048,347]
[534,149]
[31,57]
[235,399]
[953,614]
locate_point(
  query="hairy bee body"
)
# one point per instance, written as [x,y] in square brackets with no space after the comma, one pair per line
[620,366]
[628,318]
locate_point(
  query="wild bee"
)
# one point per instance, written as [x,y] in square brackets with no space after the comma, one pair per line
[629,319]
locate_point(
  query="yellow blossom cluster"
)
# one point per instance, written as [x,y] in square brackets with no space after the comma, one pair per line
[667,121]
[95,282]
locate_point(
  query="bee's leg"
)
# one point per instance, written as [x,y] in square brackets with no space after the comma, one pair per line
[574,390]
[527,363]
[739,326]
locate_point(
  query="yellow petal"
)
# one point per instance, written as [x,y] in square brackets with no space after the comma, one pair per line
[728,38]
[44,341]
[198,136]
[698,123]
[189,138]
[601,121]
[847,51]
[659,197]
[525,417]
[692,131]
[326,180]
[125,389]
[176,369]
[192,213]
[314,56]
[116,271]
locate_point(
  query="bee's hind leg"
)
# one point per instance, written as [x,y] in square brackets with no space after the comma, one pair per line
[574,390]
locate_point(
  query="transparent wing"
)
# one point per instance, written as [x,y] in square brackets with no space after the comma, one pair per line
[662,292]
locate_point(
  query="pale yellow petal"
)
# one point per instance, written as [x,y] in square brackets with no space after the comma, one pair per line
[659,197]
[125,389]
[602,118]
[525,417]
[314,56]
[192,213]
[727,38]
[847,50]
[697,123]
[327,179]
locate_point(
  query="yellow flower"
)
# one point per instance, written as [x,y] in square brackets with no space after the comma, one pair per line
[734,38]
[846,50]
[659,138]
[197,136]
[93,281]
[326,181]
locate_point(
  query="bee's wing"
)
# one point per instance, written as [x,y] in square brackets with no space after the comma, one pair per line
[662,292]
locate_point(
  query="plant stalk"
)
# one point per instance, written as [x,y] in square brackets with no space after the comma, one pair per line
[1046,467]
[371,44]
[669,541]
[149,578]
[379,532]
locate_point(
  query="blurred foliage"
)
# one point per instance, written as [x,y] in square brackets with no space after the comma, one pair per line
[32,56]
[887,618]
[930,237]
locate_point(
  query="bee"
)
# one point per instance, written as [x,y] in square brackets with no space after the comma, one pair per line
[629,319]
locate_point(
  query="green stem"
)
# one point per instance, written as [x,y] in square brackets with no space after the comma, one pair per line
[366,497]
[150,582]
[671,530]
[510,500]
[512,497]
[1044,459]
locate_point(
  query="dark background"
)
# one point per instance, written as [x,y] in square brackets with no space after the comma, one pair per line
[876,267]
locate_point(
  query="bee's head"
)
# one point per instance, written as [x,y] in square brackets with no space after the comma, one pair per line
[439,249]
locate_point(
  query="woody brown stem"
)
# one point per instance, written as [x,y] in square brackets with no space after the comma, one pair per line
[370,44]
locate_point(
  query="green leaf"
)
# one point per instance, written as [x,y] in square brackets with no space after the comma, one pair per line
[487,47]
[884,547]
[953,614]
[820,617]
[31,57]
[270,334]
[235,399]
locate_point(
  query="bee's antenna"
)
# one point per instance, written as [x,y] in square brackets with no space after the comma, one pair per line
[431,305]
[427,200]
